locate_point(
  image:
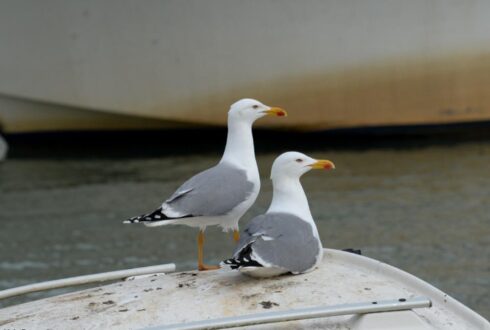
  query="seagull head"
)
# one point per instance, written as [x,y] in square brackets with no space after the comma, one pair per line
[250,110]
[294,164]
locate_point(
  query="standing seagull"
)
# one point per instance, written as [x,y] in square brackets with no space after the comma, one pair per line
[222,194]
[284,239]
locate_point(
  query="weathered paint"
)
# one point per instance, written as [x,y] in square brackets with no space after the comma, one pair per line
[191,296]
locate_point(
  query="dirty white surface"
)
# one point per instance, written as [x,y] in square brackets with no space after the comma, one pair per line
[191,296]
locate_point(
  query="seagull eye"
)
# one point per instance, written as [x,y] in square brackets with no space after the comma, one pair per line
[255,106]
[299,160]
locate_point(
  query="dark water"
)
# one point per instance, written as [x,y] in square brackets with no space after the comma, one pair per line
[425,210]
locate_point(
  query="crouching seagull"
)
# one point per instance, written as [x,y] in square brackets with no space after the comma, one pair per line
[284,239]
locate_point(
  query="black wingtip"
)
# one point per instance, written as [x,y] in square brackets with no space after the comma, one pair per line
[243,259]
[240,262]
[230,263]
[156,215]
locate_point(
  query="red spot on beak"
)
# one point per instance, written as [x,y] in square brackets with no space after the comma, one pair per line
[281,114]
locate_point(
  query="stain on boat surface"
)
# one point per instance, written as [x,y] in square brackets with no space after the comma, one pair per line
[216,294]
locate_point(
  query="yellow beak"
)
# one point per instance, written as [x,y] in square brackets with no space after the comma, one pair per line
[323,164]
[276,112]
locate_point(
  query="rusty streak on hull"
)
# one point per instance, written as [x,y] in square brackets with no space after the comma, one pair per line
[403,92]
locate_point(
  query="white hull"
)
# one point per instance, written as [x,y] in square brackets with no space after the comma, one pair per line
[331,64]
[342,278]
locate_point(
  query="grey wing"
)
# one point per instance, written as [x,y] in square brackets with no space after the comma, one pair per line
[213,192]
[251,233]
[281,240]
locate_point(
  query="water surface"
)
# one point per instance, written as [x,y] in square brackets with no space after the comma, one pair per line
[425,210]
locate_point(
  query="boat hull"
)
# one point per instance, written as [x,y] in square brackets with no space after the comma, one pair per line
[177,62]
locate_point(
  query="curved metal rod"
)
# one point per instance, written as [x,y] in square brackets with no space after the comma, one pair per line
[84,279]
[301,314]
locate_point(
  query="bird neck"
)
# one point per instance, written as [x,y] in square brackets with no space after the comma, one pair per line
[289,197]
[239,148]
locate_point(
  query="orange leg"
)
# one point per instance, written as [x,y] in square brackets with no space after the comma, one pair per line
[200,243]
[236,235]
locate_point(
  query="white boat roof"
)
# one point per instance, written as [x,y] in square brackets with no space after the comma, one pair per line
[152,301]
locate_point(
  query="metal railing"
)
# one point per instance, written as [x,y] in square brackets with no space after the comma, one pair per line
[85,279]
[301,314]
